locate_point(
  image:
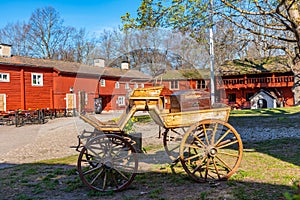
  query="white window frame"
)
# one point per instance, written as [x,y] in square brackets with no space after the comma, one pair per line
[2,79]
[142,85]
[117,85]
[121,100]
[37,79]
[127,86]
[175,84]
[201,83]
[102,82]
[136,85]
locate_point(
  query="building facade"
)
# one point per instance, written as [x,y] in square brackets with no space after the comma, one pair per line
[31,83]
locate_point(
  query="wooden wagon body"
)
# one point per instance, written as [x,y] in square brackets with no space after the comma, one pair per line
[202,140]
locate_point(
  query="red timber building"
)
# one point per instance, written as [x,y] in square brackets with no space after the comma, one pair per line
[196,81]
[243,80]
[242,84]
[31,83]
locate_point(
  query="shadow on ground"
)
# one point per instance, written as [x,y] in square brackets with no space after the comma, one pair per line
[41,181]
[252,181]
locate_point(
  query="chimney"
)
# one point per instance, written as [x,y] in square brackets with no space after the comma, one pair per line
[99,62]
[5,50]
[125,65]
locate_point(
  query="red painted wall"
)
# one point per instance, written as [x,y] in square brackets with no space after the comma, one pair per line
[37,97]
[241,85]
[79,83]
[12,89]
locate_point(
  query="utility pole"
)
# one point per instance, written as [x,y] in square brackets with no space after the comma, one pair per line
[212,56]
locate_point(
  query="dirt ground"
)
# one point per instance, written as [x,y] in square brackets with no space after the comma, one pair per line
[32,143]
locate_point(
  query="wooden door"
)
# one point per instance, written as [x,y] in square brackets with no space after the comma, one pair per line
[2,102]
[70,101]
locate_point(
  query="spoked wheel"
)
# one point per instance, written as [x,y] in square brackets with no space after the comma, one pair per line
[107,162]
[172,139]
[211,150]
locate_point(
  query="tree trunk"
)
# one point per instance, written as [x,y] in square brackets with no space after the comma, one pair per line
[296,87]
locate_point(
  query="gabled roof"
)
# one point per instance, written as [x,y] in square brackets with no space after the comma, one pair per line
[70,67]
[117,72]
[185,74]
[254,66]
[263,91]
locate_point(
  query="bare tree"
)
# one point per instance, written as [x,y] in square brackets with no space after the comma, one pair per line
[107,45]
[45,36]
[151,50]
[17,36]
[84,45]
[47,32]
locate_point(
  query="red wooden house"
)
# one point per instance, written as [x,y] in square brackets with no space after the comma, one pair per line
[115,86]
[242,79]
[31,83]
[179,80]
[237,81]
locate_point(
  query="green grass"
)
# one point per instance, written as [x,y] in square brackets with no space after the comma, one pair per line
[266,111]
[266,118]
[67,160]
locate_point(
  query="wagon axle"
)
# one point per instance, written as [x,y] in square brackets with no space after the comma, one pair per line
[211,151]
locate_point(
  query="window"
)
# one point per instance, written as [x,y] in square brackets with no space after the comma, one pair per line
[36,79]
[127,86]
[201,84]
[142,85]
[174,85]
[102,82]
[4,77]
[232,98]
[117,85]
[121,101]
[248,95]
[136,85]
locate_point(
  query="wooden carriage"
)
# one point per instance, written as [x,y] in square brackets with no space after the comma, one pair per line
[207,146]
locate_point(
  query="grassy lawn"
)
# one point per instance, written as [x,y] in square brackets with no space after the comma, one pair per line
[268,170]
[266,111]
[278,118]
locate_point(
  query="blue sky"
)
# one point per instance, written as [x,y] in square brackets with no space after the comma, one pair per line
[93,15]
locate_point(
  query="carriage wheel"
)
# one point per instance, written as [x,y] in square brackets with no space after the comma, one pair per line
[211,150]
[172,139]
[107,163]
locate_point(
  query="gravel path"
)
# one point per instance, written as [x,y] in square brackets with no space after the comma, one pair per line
[38,142]
[53,139]
[32,143]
